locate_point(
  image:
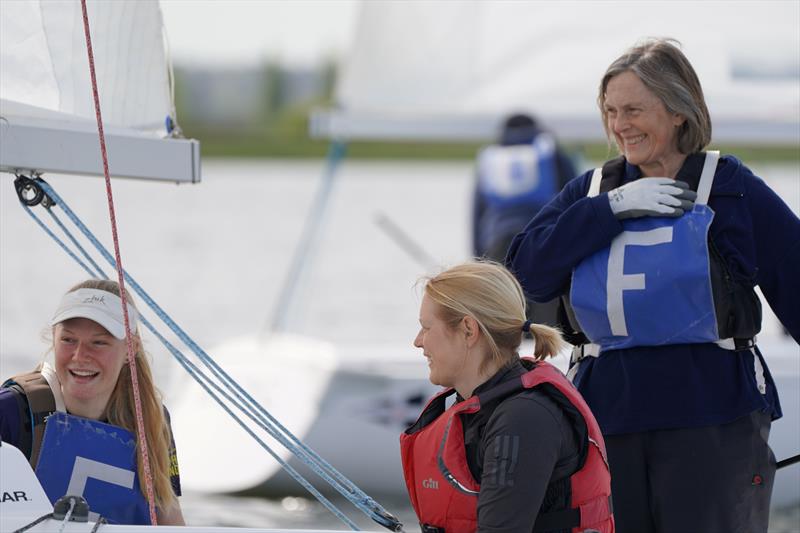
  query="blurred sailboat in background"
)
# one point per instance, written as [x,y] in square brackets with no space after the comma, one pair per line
[452,70]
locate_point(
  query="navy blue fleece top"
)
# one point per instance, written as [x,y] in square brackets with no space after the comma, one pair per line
[688,385]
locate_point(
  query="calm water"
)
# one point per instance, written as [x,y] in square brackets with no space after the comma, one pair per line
[216,255]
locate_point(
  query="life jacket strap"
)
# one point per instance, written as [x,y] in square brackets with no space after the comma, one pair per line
[36,402]
[737,345]
[589,349]
[584,350]
[707,177]
[427,528]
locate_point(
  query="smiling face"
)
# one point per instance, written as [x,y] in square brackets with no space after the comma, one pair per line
[444,347]
[646,133]
[88,362]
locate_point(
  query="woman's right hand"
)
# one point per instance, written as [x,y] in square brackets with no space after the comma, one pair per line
[654,197]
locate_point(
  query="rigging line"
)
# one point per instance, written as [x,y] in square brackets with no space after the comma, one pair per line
[306,246]
[58,241]
[299,267]
[173,129]
[788,461]
[98,271]
[195,372]
[307,455]
[24,185]
[67,516]
[404,241]
[143,447]
[198,375]
[36,522]
[207,360]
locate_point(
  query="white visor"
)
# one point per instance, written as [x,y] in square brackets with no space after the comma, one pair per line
[102,307]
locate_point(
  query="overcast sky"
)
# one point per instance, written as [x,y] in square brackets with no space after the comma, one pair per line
[247,32]
[236,32]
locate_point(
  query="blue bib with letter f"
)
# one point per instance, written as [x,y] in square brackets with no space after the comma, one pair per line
[652,285]
[88,458]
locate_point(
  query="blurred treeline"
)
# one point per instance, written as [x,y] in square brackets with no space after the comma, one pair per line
[263,112]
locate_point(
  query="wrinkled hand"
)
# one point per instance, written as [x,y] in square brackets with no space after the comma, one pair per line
[653,197]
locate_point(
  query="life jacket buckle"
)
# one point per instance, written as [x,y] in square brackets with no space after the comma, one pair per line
[427,528]
[583,351]
[742,345]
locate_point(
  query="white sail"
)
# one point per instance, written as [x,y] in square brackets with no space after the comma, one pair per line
[46,94]
[453,70]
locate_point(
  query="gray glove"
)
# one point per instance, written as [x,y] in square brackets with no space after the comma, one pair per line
[654,197]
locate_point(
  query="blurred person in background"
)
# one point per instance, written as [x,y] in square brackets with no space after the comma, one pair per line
[657,255]
[515,178]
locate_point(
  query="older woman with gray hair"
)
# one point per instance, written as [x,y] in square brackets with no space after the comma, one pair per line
[656,256]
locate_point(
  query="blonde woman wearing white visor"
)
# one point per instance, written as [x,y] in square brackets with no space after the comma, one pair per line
[86,403]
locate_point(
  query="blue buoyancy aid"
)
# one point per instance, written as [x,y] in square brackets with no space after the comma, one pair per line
[652,286]
[520,174]
[84,457]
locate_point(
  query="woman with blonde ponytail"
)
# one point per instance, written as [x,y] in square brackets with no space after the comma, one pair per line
[518,449]
[90,387]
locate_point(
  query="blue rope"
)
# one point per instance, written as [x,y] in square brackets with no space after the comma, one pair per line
[251,408]
[209,361]
[77,245]
[307,243]
[58,241]
[174,327]
[196,374]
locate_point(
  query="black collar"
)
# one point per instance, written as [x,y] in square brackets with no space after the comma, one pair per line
[689,172]
[504,374]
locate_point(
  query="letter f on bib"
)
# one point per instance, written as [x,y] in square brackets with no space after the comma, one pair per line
[618,281]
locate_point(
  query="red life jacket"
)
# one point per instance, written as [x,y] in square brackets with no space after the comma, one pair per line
[444,493]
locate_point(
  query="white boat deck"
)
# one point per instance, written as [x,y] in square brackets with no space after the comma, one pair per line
[23,501]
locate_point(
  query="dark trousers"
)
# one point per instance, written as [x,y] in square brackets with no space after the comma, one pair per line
[715,479]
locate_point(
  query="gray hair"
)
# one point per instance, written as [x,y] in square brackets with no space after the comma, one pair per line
[666,72]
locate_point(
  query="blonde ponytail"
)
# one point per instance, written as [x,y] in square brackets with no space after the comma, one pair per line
[491,295]
[548,341]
